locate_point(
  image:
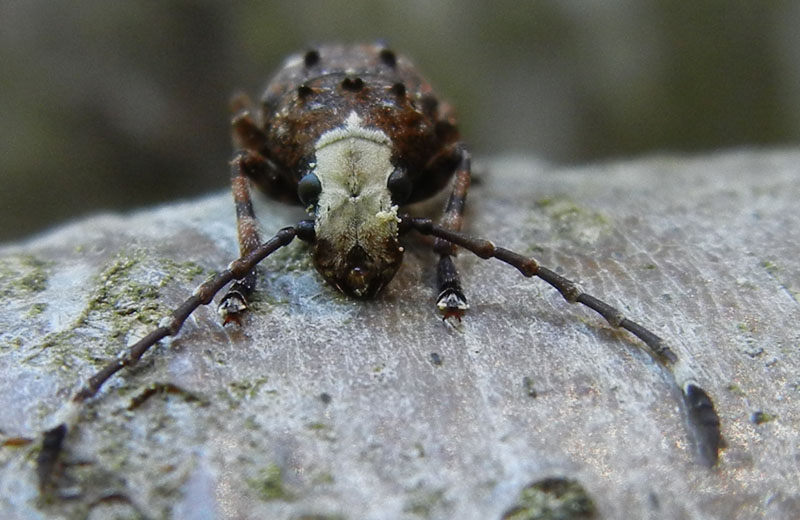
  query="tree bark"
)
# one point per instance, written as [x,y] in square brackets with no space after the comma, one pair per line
[323,405]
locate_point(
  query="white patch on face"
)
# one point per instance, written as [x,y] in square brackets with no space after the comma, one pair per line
[355,207]
[352,129]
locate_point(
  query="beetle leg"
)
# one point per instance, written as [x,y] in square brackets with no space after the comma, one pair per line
[234,302]
[261,169]
[249,138]
[247,135]
[451,301]
[700,409]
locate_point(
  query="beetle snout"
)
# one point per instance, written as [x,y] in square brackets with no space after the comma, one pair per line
[360,282]
[358,273]
[361,274]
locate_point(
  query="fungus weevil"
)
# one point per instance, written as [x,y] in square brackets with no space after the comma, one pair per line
[352,133]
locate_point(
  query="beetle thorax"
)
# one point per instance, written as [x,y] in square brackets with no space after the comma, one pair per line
[356,245]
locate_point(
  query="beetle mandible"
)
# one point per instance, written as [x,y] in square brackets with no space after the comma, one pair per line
[352,133]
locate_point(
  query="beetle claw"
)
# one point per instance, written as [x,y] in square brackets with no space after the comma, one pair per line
[232,307]
[452,304]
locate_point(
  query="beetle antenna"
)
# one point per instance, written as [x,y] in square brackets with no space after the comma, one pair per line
[701,414]
[69,414]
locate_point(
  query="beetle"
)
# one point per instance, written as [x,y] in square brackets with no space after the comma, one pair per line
[352,133]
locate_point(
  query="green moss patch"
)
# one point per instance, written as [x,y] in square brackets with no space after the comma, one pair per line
[126,296]
[568,220]
[552,499]
[23,275]
[269,484]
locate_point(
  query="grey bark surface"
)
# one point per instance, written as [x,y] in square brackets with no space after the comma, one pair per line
[322,405]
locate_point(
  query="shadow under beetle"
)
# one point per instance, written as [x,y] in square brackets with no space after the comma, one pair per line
[352,133]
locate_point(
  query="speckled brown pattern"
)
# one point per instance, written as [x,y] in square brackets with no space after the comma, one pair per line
[315,92]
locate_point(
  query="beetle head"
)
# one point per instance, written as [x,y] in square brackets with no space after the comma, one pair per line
[356,247]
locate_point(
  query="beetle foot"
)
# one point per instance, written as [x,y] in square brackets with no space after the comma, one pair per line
[452,304]
[47,460]
[232,307]
[705,422]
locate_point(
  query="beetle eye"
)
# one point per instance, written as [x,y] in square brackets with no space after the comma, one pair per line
[308,189]
[399,185]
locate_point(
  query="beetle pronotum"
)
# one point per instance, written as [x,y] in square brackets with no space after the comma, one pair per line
[352,133]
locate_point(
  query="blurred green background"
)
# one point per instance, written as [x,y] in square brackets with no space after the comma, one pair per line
[113,105]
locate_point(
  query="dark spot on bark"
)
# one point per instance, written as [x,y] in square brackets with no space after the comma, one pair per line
[760,417]
[554,497]
[311,58]
[530,390]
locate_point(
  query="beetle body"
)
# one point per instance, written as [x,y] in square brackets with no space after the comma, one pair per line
[342,125]
[352,133]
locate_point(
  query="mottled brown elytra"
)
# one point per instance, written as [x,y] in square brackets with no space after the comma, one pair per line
[352,134]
